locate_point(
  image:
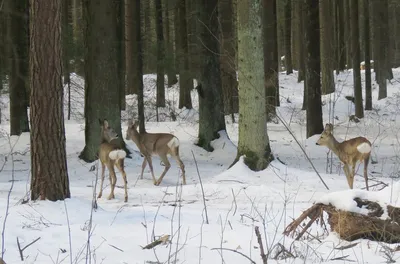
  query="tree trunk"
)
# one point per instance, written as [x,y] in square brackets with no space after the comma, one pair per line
[160,100]
[3,45]
[185,81]
[300,28]
[120,9]
[347,32]
[288,31]
[313,69]
[211,114]
[18,79]
[227,58]
[169,42]
[253,137]
[102,79]
[48,154]
[340,33]
[327,52]
[271,61]
[78,48]
[367,57]
[131,49]
[355,48]
[137,40]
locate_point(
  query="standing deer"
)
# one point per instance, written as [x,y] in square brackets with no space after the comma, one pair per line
[111,155]
[153,144]
[349,152]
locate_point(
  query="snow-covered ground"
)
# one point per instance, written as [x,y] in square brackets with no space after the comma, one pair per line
[237,199]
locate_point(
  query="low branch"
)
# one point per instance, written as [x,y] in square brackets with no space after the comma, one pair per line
[21,250]
[235,251]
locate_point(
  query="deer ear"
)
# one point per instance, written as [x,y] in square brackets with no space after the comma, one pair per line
[329,128]
[105,123]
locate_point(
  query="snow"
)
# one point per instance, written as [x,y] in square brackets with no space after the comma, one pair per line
[237,199]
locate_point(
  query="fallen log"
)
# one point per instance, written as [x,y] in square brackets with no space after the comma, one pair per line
[376,223]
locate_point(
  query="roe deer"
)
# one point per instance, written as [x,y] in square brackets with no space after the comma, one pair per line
[152,144]
[111,155]
[349,152]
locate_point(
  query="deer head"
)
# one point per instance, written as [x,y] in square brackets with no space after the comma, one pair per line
[326,136]
[107,133]
[132,129]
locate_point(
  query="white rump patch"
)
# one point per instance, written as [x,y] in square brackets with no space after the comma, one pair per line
[174,142]
[364,148]
[117,154]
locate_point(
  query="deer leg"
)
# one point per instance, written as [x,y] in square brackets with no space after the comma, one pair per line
[165,160]
[150,161]
[182,166]
[144,164]
[103,167]
[347,173]
[120,166]
[366,160]
[352,175]
[113,180]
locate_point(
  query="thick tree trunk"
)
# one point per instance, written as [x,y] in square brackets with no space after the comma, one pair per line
[48,154]
[288,31]
[211,114]
[355,47]
[271,61]
[18,79]
[327,52]
[300,40]
[367,57]
[228,55]
[138,70]
[170,54]
[185,80]
[313,69]
[120,9]
[102,79]
[340,33]
[131,49]
[160,100]
[253,137]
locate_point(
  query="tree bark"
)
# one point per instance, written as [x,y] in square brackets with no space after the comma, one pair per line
[271,61]
[120,9]
[367,57]
[102,79]
[185,80]
[253,137]
[355,47]
[169,42]
[18,78]
[228,55]
[48,154]
[131,49]
[138,41]
[313,69]
[160,99]
[211,114]
[327,52]
[288,31]
[300,40]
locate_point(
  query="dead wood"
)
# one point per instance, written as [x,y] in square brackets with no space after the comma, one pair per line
[352,226]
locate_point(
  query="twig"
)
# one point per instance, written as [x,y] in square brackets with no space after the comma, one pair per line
[69,233]
[202,189]
[240,253]
[262,253]
[117,248]
[21,250]
[302,149]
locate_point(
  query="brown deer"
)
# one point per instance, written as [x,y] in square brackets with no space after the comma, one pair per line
[152,144]
[349,152]
[111,155]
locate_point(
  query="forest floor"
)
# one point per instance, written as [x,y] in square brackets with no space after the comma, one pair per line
[236,199]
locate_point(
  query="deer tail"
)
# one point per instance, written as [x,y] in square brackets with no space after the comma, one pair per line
[364,148]
[173,143]
[117,154]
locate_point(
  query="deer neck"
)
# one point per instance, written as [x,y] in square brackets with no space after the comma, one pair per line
[334,145]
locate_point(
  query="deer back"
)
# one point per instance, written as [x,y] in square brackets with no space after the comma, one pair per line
[350,152]
[156,143]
